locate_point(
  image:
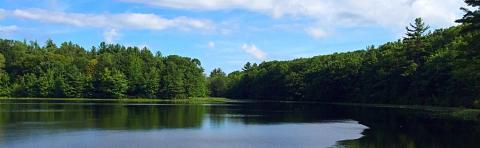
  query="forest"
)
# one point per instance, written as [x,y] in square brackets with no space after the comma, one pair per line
[440,67]
[106,71]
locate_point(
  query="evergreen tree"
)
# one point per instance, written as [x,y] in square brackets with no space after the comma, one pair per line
[4,78]
[135,75]
[74,85]
[173,82]
[50,46]
[4,84]
[415,47]
[152,78]
[2,63]
[46,83]
[195,82]
[471,18]
[217,83]
[112,84]
[27,86]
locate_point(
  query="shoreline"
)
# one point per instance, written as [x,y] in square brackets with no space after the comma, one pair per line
[196,100]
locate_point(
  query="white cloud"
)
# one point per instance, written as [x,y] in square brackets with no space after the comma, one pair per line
[253,50]
[111,35]
[2,13]
[112,23]
[316,32]
[330,14]
[211,44]
[275,8]
[8,29]
[119,21]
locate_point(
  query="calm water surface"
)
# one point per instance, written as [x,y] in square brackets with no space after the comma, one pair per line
[264,125]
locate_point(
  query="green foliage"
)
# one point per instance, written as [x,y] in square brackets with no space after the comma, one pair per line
[107,71]
[4,84]
[173,81]
[471,19]
[438,68]
[112,84]
[2,62]
[217,83]
[4,78]
[416,30]
[152,84]
[414,44]
[27,86]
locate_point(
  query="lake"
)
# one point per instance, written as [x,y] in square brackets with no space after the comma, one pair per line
[57,124]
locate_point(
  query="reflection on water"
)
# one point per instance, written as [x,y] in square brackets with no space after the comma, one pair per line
[60,124]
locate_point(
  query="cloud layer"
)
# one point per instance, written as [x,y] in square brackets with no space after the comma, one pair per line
[119,21]
[8,29]
[328,14]
[112,22]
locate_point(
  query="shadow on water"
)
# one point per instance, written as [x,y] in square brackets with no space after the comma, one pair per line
[407,128]
[386,127]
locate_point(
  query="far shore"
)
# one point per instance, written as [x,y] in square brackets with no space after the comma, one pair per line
[196,100]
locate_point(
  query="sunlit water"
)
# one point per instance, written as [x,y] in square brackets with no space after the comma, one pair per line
[264,125]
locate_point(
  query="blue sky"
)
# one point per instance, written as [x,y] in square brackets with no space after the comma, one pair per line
[224,33]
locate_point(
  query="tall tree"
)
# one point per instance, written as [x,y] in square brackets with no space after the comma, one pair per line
[27,86]
[4,84]
[217,83]
[112,84]
[472,17]
[415,47]
[2,62]
[173,82]
[417,29]
[195,81]
[152,85]
[46,83]
[50,45]
[4,78]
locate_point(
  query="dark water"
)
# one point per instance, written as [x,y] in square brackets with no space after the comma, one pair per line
[241,125]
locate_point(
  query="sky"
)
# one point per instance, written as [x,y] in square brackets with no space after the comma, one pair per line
[224,33]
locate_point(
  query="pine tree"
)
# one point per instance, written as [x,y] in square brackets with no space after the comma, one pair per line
[112,84]
[217,83]
[4,84]
[50,46]
[46,83]
[415,47]
[28,86]
[74,85]
[471,18]
[2,62]
[173,82]
[152,85]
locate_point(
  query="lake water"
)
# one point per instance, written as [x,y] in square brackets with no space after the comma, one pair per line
[238,125]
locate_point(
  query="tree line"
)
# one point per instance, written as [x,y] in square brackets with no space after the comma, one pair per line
[425,68]
[106,71]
